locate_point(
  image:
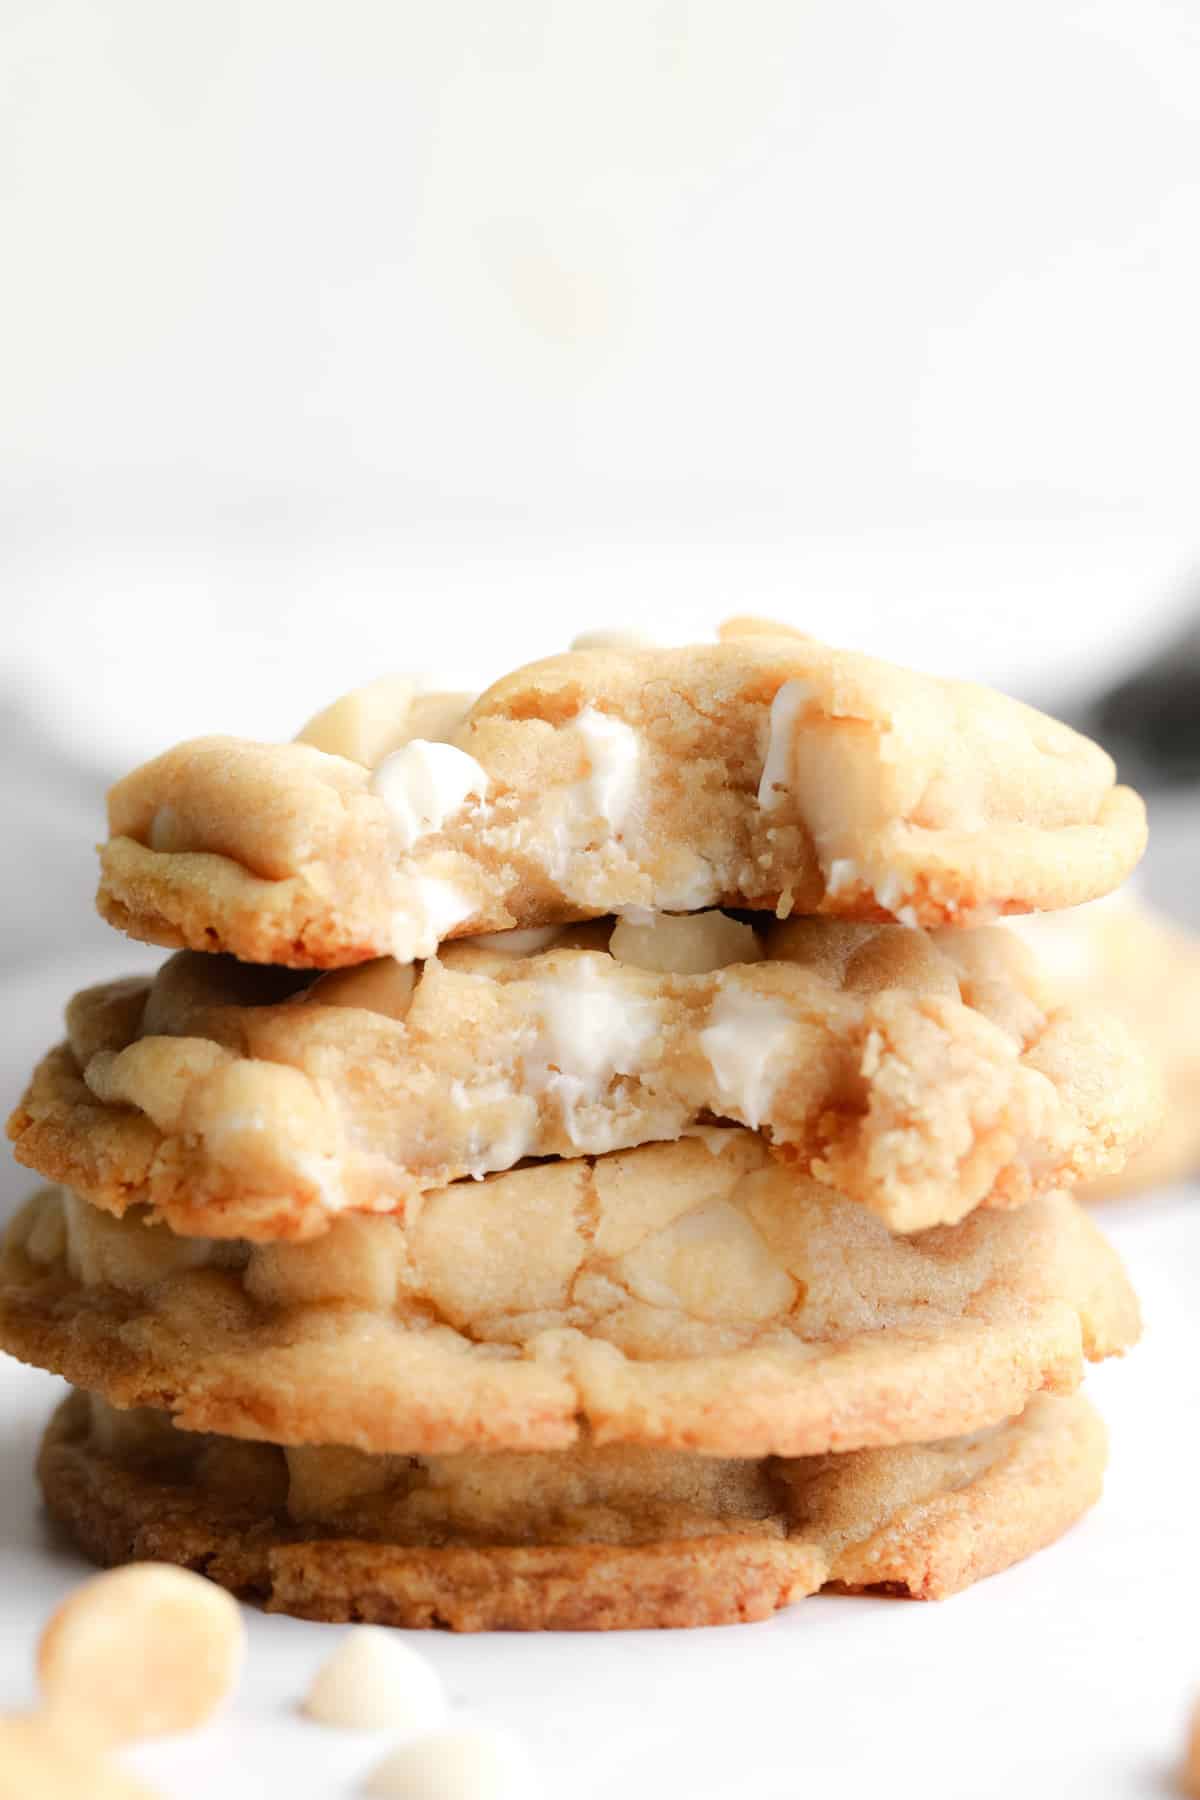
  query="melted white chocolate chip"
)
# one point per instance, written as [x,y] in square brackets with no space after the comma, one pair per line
[778,765]
[427,910]
[423,785]
[887,887]
[613,753]
[742,1040]
[589,1034]
[506,1132]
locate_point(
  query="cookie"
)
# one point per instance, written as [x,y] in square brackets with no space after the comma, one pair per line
[919,1074]
[681,1296]
[579,1540]
[1145,970]
[766,772]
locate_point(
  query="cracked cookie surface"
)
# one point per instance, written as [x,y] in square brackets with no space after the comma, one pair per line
[677,1295]
[585,1539]
[767,772]
[921,1074]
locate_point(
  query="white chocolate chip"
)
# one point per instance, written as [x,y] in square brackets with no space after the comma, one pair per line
[505,1125]
[423,785]
[427,910]
[140,1431]
[47,1227]
[141,1651]
[467,1763]
[887,888]
[590,1033]
[437,716]
[613,752]
[778,765]
[693,944]
[383,986]
[690,892]
[744,1041]
[367,724]
[364,724]
[715,1138]
[517,943]
[167,834]
[710,1263]
[373,1681]
[325,1479]
[101,1252]
[44,1756]
[612,640]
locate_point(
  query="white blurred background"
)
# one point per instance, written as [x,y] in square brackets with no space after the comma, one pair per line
[342,338]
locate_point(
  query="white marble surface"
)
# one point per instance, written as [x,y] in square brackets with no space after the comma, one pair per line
[1067,1677]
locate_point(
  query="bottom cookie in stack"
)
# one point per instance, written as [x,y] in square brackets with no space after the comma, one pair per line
[582,1539]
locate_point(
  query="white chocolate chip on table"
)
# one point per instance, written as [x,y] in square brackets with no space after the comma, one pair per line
[463,1763]
[372,1681]
[141,1651]
[46,1757]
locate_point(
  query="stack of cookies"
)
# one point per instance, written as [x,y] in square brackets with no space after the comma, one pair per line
[592,1160]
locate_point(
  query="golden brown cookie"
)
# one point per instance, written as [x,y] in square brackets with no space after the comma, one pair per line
[765,772]
[920,1074]
[580,1540]
[1145,970]
[676,1295]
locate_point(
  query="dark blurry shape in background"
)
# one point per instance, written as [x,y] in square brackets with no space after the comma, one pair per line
[1150,721]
